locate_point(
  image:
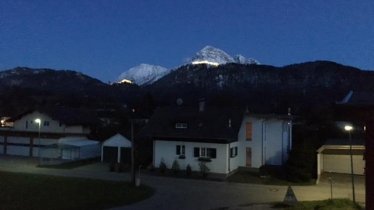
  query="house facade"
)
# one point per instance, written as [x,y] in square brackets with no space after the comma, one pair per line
[224,139]
[31,131]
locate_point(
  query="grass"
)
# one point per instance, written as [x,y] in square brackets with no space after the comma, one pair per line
[29,191]
[253,177]
[71,164]
[335,204]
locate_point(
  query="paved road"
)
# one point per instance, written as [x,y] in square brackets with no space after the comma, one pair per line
[174,193]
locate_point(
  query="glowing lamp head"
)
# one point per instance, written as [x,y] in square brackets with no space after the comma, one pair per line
[348,128]
[37,120]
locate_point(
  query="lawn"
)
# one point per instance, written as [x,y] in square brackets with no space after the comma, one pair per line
[253,177]
[335,204]
[29,191]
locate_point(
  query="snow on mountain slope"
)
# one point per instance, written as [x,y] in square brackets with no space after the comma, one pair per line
[214,56]
[243,60]
[143,74]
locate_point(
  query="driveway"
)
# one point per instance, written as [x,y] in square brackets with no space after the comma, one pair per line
[175,193]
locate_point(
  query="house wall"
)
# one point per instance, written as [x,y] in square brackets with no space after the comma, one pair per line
[234,161]
[270,142]
[53,126]
[166,151]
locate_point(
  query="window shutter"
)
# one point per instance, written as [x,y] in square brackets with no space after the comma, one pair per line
[248,131]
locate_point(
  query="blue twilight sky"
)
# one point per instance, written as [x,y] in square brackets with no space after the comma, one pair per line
[104,38]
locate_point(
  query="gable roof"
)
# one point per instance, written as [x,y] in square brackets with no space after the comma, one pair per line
[117,140]
[67,116]
[215,125]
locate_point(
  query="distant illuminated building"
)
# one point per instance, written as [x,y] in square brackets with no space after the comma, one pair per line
[205,62]
[125,81]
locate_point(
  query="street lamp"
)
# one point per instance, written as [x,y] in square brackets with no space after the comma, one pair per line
[349,128]
[38,121]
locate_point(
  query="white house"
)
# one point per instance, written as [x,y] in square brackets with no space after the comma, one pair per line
[37,129]
[227,138]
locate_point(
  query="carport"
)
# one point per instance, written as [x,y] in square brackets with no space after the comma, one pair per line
[334,157]
[116,149]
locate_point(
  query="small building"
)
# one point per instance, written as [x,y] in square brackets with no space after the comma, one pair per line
[71,148]
[116,149]
[334,156]
[224,138]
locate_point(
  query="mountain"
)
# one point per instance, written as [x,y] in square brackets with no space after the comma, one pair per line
[263,88]
[24,88]
[143,74]
[214,56]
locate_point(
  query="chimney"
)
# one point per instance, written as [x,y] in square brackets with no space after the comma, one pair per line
[289,111]
[201,105]
[229,122]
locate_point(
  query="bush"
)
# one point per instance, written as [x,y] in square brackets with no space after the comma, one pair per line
[188,170]
[162,167]
[204,169]
[175,167]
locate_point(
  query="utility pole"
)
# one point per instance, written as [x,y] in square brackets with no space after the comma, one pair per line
[132,150]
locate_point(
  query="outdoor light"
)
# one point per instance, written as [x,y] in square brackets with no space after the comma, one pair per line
[348,128]
[39,121]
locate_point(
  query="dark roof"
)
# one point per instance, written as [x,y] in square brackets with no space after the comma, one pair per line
[358,98]
[210,125]
[68,116]
[345,141]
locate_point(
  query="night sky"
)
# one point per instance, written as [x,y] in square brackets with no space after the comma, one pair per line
[105,38]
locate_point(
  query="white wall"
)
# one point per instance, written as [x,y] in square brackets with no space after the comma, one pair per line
[166,150]
[342,164]
[53,127]
[269,144]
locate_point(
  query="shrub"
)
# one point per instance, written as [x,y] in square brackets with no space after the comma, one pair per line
[175,167]
[188,170]
[162,167]
[204,169]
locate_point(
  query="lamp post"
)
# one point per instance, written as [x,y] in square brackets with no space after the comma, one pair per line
[349,128]
[38,121]
[132,151]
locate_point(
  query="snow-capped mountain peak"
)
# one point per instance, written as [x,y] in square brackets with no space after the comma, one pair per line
[211,55]
[143,74]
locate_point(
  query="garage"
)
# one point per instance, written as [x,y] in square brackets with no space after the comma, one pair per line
[334,157]
[116,149]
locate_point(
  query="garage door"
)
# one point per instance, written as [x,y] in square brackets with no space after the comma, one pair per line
[341,164]
[110,155]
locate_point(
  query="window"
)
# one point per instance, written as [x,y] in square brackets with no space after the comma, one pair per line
[211,152]
[46,123]
[205,152]
[180,150]
[248,131]
[233,151]
[27,124]
[180,125]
